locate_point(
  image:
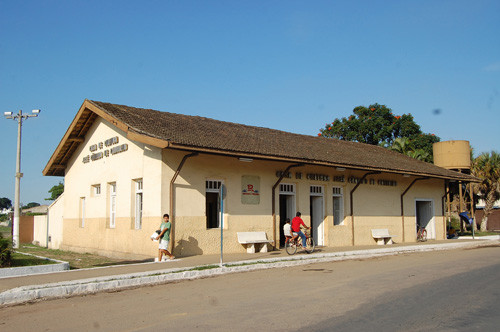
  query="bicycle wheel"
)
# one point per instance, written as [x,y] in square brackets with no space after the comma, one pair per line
[423,235]
[419,235]
[310,245]
[291,247]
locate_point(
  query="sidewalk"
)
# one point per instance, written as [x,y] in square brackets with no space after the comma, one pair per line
[21,289]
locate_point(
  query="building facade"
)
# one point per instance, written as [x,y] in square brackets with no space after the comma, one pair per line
[125,167]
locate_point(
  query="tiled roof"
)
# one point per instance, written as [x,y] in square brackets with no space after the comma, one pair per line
[204,134]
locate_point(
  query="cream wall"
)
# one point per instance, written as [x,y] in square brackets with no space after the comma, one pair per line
[375,206]
[55,214]
[140,161]
[40,230]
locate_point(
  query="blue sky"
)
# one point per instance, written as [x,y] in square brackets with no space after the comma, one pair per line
[288,65]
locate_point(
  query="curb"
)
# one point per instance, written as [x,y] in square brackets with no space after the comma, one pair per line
[119,282]
[36,269]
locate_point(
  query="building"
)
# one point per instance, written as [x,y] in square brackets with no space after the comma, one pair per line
[124,167]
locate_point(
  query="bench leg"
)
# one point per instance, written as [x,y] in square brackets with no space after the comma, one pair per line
[263,247]
[251,248]
[389,240]
[380,241]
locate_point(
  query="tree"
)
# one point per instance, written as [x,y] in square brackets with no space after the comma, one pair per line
[55,191]
[5,203]
[30,205]
[377,125]
[405,146]
[487,167]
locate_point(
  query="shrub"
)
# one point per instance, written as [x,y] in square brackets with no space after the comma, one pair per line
[5,251]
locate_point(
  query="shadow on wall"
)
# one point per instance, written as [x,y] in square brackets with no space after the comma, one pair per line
[188,247]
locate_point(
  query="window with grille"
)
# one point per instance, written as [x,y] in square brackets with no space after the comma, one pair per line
[96,190]
[338,206]
[138,203]
[316,190]
[112,205]
[212,203]
[82,212]
[286,188]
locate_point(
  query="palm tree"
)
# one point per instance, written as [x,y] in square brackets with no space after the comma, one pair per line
[487,168]
[404,146]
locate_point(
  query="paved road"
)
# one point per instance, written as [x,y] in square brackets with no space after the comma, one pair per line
[450,290]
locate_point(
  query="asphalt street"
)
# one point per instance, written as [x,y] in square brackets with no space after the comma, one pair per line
[453,290]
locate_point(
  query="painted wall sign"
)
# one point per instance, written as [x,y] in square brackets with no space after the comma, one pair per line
[96,155]
[339,178]
[250,189]
[317,177]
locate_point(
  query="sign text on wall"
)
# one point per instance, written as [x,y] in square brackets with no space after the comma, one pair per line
[112,150]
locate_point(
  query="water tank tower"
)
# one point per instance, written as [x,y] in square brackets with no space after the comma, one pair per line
[452,155]
[455,155]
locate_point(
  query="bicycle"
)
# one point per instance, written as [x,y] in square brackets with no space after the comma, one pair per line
[421,234]
[293,243]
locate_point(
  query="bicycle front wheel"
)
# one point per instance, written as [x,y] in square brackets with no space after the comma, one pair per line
[310,245]
[424,235]
[291,248]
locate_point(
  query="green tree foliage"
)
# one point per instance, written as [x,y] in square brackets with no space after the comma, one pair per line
[487,167]
[30,205]
[5,203]
[377,125]
[5,251]
[407,147]
[55,191]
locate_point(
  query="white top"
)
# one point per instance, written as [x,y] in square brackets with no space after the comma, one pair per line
[287,229]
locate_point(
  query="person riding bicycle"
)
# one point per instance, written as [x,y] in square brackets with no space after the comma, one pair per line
[296,223]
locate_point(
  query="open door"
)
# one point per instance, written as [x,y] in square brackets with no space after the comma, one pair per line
[424,212]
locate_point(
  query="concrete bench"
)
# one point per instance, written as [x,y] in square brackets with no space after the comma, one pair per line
[382,236]
[250,239]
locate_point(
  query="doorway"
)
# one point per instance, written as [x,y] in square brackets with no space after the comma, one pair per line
[317,215]
[286,207]
[424,212]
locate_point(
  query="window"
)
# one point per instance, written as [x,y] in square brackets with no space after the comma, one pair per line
[286,188]
[138,204]
[316,191]
[112,205]
[96,190]
[82,212]
[338,206]
[212,211]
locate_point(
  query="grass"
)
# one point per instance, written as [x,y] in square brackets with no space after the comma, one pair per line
[6,230]
[26,260]
[75,260]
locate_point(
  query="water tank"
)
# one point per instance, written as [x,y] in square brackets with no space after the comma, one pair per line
[452,154]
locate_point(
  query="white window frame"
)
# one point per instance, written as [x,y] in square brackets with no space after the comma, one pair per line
[82,212]
[112,205]
[315,190]
[96,190]
[139,201]
[338,192]
[287,188]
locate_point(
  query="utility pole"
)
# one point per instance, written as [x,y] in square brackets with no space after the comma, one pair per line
[19,117]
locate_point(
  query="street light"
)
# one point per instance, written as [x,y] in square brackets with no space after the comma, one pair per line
[19,117]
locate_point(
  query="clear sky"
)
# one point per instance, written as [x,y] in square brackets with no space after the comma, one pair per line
[288,65]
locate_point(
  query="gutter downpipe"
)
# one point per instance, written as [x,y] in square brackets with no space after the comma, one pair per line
[171,209]
[274,200]
[351,201]
[402,204]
